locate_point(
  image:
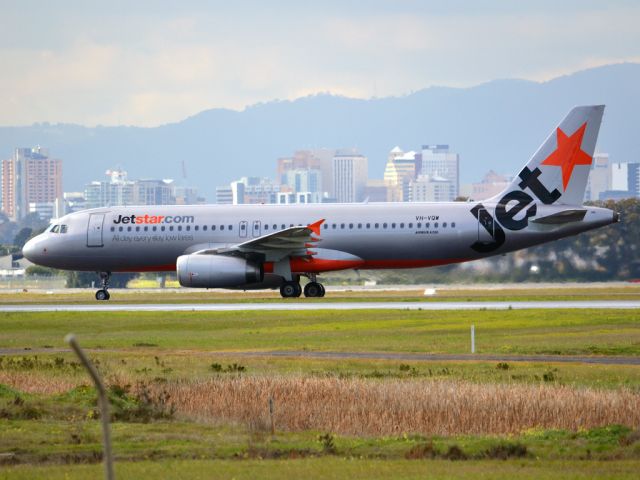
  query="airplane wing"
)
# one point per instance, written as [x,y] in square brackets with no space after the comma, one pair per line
[290,242]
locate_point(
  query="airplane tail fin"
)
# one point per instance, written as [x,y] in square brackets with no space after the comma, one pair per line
[559,170]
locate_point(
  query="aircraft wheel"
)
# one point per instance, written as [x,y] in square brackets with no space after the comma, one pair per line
[313,289]
[290,290]
[102,295]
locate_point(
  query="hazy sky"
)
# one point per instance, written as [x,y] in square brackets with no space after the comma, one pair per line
[152,62]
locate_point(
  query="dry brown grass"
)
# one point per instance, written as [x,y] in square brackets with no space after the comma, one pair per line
[39,382]
[369,407]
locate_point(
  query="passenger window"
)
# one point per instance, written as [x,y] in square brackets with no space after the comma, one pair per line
[221,227]
[325,226]
[333,226]
[435,225]
[128,229]
[411,225]
[359,225]
[196,228]
[427,225]
[384,225]
[230,227]
[283,226]
[154,228]
[444,224]
[242,227]
[377,225]
[179,228]
[171,228]
[213,228]
[204,228]
[137,229]
[350,225]
[453,224]
[368,225]
[113,229]
[402,225]
[162,228]
[393,225]
[266,226]
[342,226]
[419,225]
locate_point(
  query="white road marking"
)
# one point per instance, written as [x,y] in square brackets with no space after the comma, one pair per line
[299,306]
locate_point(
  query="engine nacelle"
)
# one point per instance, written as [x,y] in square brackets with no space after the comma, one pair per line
[216,271]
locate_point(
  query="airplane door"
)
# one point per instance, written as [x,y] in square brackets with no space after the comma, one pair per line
[94,230]
[485,226]
[256,228]
[243,229]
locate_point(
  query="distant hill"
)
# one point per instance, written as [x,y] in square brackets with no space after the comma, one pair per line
[496,125]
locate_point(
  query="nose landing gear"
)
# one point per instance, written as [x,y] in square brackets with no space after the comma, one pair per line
[103,293]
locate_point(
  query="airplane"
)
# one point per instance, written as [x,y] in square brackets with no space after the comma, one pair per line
[273,246]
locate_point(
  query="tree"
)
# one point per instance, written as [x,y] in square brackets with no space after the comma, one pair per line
[22,236]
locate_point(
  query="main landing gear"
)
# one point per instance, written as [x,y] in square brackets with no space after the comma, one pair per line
[103,293]
[292,289]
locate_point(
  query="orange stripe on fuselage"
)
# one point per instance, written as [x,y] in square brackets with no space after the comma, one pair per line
[319,265]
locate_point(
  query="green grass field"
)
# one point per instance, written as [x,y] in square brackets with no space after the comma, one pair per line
[48,425]
[606,332]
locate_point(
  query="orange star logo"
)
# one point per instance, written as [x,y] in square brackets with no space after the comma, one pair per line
[568,153]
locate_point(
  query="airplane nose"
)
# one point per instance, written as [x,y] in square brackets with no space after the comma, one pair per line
[29,251]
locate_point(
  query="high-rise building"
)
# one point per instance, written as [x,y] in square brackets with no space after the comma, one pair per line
[398,173]
[625,177]
[303,180]
[350,171]
[432,189]
[599,177]
[438,161]
[224,195]
[153,192]
[118,191]
[187,195]
[30,176]
[74,202]
[376,191]
[490,185]
[248,190]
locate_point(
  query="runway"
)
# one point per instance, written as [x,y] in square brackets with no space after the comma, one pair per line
[287,305]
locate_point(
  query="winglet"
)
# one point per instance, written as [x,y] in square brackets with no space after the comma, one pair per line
[315,227]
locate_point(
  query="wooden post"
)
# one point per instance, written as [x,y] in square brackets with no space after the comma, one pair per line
[103,402]
[273,424]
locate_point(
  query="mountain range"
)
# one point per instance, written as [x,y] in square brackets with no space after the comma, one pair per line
[495,125]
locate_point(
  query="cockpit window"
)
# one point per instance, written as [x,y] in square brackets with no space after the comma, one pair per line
[58,229]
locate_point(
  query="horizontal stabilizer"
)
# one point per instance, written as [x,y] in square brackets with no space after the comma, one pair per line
[566,216]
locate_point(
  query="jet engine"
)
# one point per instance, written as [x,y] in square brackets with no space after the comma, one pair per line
[217,271]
